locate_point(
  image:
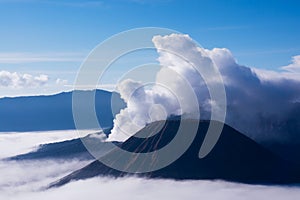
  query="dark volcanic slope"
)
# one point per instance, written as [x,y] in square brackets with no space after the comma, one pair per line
[235,158]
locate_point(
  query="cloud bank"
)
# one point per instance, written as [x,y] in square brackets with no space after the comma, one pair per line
[263,104]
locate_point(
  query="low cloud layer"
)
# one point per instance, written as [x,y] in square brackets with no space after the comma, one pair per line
[18,80]
[18,177]
[262,104]
[135,188]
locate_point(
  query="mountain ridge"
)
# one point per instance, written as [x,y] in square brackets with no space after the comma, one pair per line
[53,112]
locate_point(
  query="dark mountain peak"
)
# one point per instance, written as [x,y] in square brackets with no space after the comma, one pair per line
[235,157]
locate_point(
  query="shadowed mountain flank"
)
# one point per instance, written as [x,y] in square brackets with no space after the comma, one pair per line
[235,157]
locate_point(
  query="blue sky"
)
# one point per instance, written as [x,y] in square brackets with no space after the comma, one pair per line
[53,37]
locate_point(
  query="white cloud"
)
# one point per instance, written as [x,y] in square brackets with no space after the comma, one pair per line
[173,93]
[270,75]
[294,67]
[289,72]
[18,80]
[61,81]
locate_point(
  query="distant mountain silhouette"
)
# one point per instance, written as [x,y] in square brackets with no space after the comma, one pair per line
[54,112]
[235,158]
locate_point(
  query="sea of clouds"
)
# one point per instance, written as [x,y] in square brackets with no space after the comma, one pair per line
[27,180]
[135,188]
[29,176]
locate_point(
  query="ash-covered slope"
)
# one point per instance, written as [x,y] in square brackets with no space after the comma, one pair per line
[235,158]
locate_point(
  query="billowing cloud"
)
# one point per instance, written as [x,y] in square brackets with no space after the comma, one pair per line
[18,80]
[262,104]
[143,106]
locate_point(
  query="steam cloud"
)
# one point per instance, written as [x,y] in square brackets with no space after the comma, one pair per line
[262,104]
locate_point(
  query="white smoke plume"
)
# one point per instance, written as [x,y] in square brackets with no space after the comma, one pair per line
[262,104]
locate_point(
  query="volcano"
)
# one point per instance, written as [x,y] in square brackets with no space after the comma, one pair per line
[235,157]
